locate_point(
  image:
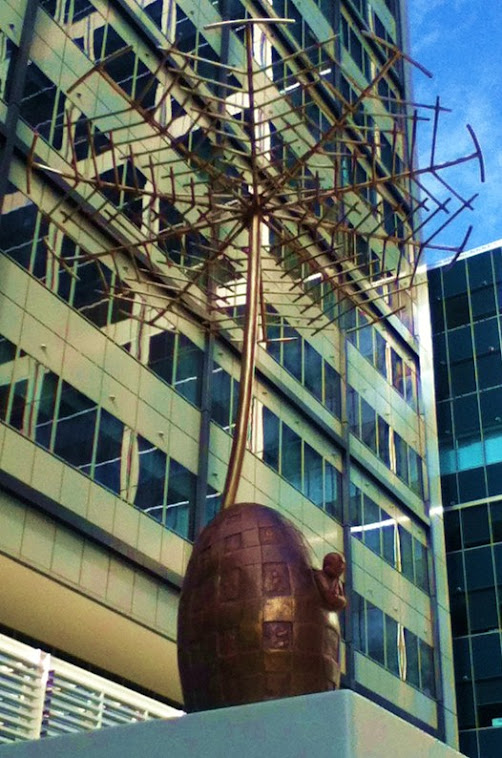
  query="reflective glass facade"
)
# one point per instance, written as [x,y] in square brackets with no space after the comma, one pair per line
[466,305]
[116,427]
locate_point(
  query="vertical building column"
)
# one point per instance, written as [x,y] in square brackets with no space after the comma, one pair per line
[445,687]
[15,95]
[199,512]
[347,539]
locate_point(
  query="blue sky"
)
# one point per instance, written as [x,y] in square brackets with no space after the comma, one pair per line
[460,42]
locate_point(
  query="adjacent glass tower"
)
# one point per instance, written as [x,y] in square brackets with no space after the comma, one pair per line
[466,307]
[115,427]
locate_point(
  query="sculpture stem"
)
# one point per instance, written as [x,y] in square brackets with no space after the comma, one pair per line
[247,366]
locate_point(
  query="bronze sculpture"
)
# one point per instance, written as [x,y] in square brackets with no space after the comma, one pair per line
[329,582]
[279,202]
[256,622]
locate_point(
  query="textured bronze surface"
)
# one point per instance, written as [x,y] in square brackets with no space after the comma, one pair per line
[253,624]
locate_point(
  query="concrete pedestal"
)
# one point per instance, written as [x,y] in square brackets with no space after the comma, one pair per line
[327,725]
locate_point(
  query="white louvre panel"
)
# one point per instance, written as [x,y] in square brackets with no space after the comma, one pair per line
[43,696]
[77,700]
[116,712]
[20,682]
[69,706]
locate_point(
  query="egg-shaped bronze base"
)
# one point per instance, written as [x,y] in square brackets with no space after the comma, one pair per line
[251,624]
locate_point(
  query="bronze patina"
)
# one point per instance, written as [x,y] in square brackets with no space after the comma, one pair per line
[256,622]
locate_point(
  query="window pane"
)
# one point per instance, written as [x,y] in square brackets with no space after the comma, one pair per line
[491,410]
[489,369]
[39,263]
[486,336]
[188,370]
[19,392]
[437,314]
[75,428]
[479,568]
[109,449]
[332,390]
[412,667]
[483,616]
[471,485]
[221,397]
[17,233]
[353,410]
[458,608]
[368,425]
[483,303]
[480,271]
[401,449]
[449,489]
[469,454]
[383,441]
[356,513]
[462,378]
[427,684]
[455,572]
[462,657]
[161,356]
[270,438]
[494,477]
[291,456]
[38,104]
[410,386]
[415,472]
[366,342]
[421,572]
[486,656]
[89,295]
[332,491]
[490,740]
[460,345]
[273,346]
[397,371]
[151,481]
[391,652]
[444,421]
[452,530]
[496,520]
[213,504]
[372,519]
[388,538]
[359,622]
[380,354]
[4,399]
[457,311]
[475,526]
[312,476]
[375,635]
[468,742]
[292,353]
[466,415]
[441,376]
[180,498]
[46,406]
[7,350]
[312,370]
[406,553]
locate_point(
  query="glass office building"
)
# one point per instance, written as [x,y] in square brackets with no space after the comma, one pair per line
[115,429]
[466,302]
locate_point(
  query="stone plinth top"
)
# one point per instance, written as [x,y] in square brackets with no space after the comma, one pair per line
[338,724]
